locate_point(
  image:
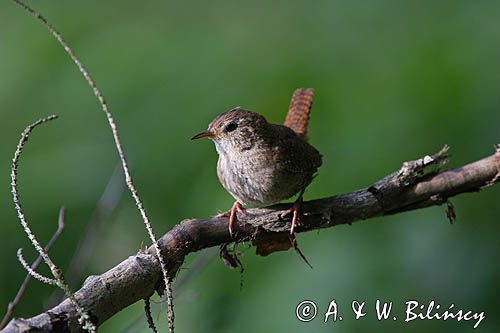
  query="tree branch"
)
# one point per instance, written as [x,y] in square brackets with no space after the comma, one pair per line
[416,185]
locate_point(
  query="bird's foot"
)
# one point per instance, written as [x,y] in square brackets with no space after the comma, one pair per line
[237,207]
[295,209]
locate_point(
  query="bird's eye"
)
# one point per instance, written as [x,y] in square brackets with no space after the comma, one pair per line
[231,127]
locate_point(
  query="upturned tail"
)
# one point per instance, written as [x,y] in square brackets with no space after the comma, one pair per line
[297,117]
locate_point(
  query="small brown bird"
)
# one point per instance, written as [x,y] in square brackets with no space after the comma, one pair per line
[261,164]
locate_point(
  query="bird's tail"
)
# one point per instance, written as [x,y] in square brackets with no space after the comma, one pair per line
[297,117]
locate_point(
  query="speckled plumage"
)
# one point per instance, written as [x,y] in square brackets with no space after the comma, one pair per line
[260,163]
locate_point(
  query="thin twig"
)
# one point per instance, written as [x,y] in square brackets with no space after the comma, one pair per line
[20,213]
[56,272]
[128,178]
[149,317]
[32,272]
[12,304]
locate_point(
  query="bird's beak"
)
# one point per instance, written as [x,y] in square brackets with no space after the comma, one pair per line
[204,134]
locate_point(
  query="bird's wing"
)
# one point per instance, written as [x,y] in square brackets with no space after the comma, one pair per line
[292,153]
[297,117]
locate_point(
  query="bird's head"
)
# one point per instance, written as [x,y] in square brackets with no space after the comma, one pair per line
[235,129]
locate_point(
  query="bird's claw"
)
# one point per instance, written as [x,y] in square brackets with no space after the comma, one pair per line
[295,209]
[237,207]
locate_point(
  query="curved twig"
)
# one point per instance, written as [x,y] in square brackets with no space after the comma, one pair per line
[83,317]
[32,272]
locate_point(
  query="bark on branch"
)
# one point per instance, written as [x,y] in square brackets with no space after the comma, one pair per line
[417,184]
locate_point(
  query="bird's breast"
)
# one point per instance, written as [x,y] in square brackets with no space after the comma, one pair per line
[254,179]
[244,179]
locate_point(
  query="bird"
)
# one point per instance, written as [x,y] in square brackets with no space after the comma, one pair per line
[260,163]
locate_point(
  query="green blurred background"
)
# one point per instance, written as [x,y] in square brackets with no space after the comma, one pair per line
[394,81]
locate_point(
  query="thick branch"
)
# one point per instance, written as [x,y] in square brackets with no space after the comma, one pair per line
[412,187]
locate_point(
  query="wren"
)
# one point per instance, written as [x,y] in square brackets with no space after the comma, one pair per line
[261,164]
